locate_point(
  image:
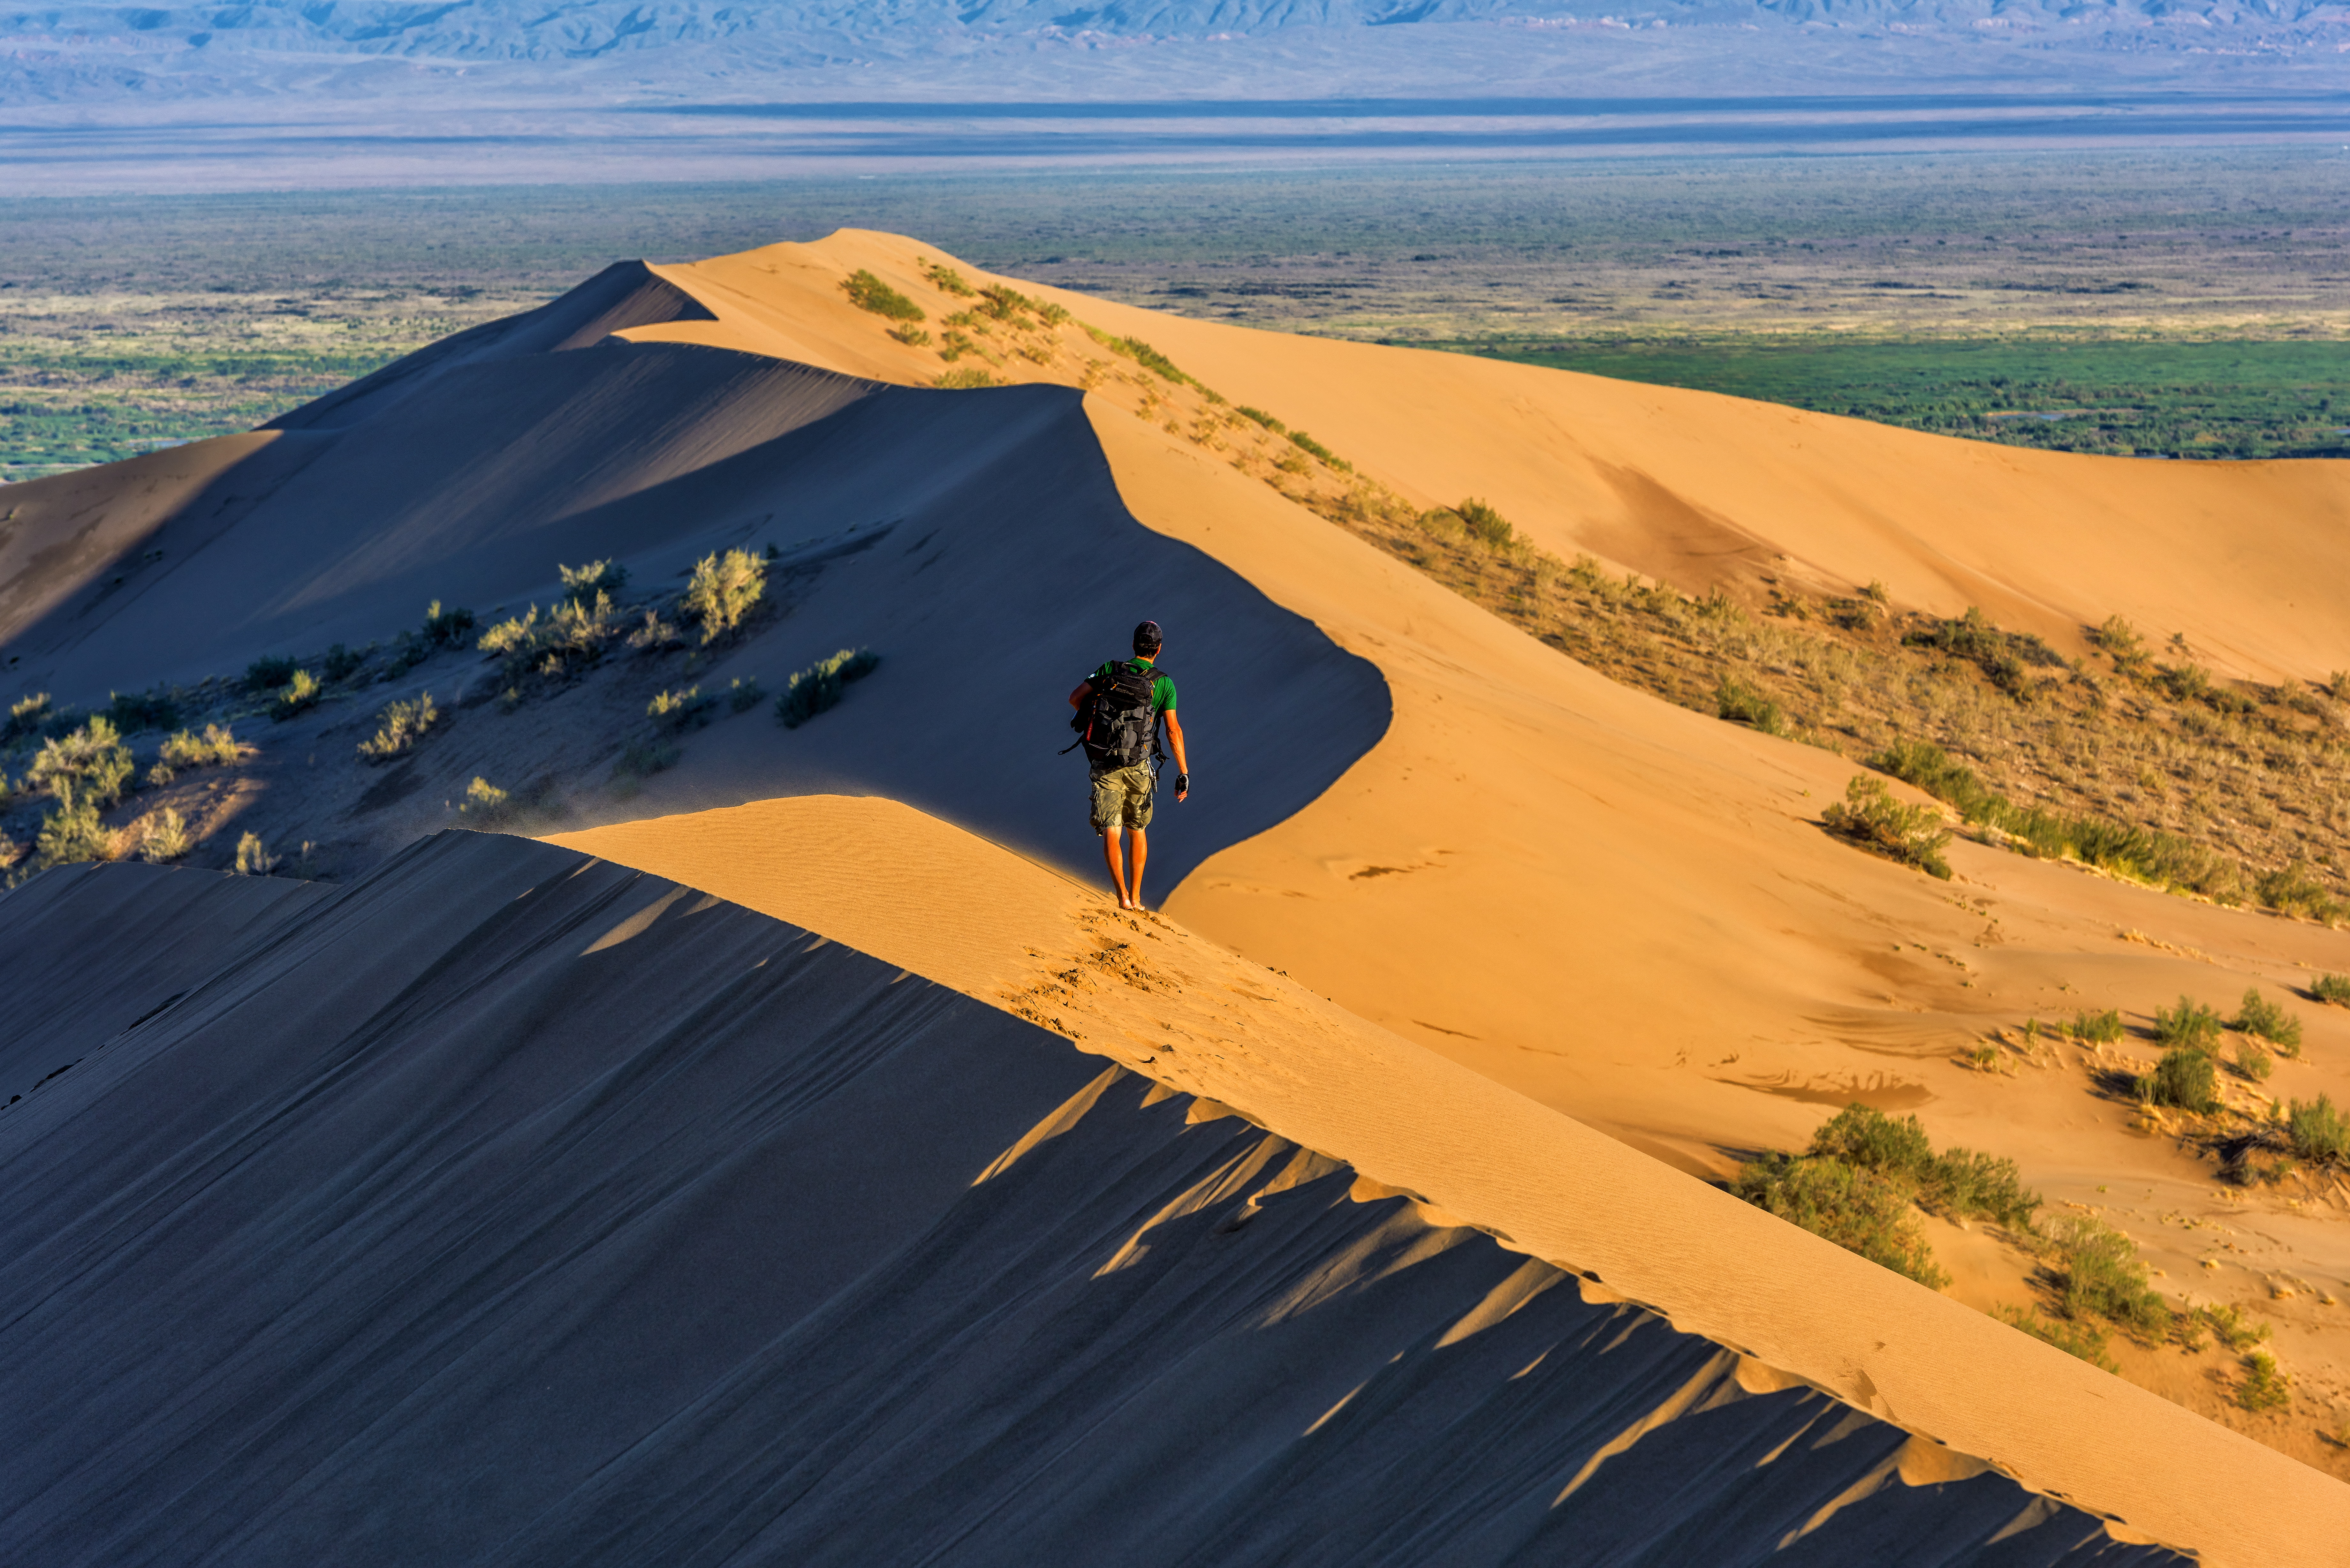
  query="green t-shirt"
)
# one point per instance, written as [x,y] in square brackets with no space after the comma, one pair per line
[1162,691]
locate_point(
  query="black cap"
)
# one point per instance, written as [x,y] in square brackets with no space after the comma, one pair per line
[1147,639]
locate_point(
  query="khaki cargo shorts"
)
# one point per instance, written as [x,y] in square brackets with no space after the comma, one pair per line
[1122,798]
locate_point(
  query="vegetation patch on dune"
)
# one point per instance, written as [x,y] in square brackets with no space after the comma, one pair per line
[820,685]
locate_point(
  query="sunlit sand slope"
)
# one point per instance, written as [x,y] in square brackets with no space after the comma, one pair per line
[514,1207]
[1190,1015]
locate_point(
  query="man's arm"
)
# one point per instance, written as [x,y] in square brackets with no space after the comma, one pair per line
[1085,689]
[1175,739]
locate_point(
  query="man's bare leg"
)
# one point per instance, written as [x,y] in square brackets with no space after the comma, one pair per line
[1141,852]
[1116,868]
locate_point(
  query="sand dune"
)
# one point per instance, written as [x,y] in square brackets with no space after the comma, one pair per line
[509,1206]
[1525,890]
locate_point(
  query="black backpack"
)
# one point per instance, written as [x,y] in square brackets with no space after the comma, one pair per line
[1115,724]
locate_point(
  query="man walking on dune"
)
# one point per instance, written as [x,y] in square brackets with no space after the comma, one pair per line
[1118,710]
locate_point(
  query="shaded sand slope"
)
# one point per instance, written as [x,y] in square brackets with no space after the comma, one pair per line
[509,1206]
[1190,1015]
[2250,560]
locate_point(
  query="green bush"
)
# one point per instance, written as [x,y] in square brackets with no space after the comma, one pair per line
[2253,1061]
[71,833]
[269,673]
[2120,642]
[868,292]
[445,627]
[1485,525]
[25,716]
[1144,355]
[2330,988]
[1960,1182]
[1859,1210]
[132,712]
[742,694]
[945,279]
[253,858]
[1930,768]
[296,695]
[2073,1339]
[819,686]
[1739,703]
[1869,816]
[2097,1028]
[1865,1136]
[164,836]
[2185,1077]
[2190,1026]
[1261,417]
[2232,1328]
[2293,891]
[967,378]
[724,590]
[1306,443]
[341,663]
[2097,1273]
[216,747]
[398,727]
[2318,1132]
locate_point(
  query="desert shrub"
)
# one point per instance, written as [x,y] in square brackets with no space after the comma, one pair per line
[1261,417]
[1144,355]
[2120,642]
[820,685]
[2330,988]
[268,674]
[398,727]
[2002,655]
[1739,703]
[2096,1272]
[911,337]
[723,589]
[2072,1338]
[90,765]
[1958,1182]
[2318,1132]
[2253,1061]
[2292,890]
[640,758]
[70,834]
[1980,1186]
[253,858]
[1485,525]
[1053,314]
[582,584]
[132,712]
[2097,1028]
[573,631]
[25,716]
[1930,768]
[1865,1136]
[2185,1077]
[965,378]
[2190,1025]
[1304,442]
[868,292]
[445,627]
[2265,1387]
[1869,816]
[2229,1326]
[653,634]
[1859,1210]
[1003,302]
[946,280]
[164,836]
[742,694]
[2264,1020]
[216,747]
[296,694]
[678,711]
[487,805]
[341,663]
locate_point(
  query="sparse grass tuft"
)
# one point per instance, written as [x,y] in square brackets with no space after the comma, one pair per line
[398,727]
[2072,1338]
[216,747]
[967,378]
[2330,988]
[1304,442]
[820,685]
[2318,1133]
[2230,1327]
[1739,703]
[2264,1020]
[946,280]
[1485,525]
[296,694]
[2097,1028]
[911,337]
[2185,1077]
[1869,816]
[868,292]
[2190,1026]
[723,591]
[2265,1387]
